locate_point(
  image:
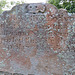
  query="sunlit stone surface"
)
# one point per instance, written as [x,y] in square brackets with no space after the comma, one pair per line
[37,39]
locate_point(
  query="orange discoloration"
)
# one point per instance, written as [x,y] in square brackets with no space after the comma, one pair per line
[34,38]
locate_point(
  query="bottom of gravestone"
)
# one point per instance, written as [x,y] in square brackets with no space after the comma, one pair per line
[7,73]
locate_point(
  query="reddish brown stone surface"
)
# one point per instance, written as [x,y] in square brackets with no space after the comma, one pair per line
[37,39]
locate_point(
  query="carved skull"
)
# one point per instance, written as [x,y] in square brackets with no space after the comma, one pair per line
[36,8]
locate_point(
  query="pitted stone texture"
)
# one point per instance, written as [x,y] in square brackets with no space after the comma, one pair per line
[34,38]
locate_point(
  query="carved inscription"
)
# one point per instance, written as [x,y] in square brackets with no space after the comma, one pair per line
[37,39]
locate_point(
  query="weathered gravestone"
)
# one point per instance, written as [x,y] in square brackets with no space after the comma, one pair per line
[37,39]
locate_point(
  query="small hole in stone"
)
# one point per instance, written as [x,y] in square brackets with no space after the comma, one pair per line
[30,6]
[36,6]
[34,13]
[30,74]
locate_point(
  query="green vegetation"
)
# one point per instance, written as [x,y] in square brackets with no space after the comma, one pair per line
[69,5]
[4,3]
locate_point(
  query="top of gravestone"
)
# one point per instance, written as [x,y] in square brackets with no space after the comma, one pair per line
[33,8]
